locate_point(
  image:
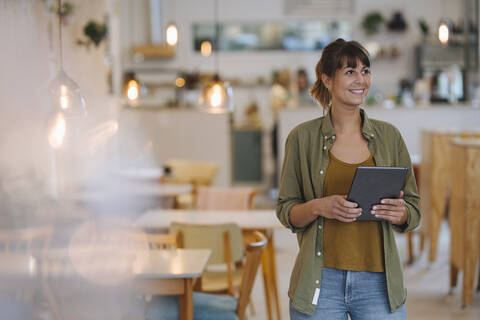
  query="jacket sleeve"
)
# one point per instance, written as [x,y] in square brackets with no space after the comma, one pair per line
[290,192]
[410,191]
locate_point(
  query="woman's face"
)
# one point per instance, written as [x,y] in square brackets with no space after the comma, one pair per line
[350,85]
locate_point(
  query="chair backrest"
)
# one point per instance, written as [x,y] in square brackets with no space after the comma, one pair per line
[218,198]
[157,241]
[225,240]
[250,268]
[195,172]
[25,240]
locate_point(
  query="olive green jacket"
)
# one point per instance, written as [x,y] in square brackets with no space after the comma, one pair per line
[304,167]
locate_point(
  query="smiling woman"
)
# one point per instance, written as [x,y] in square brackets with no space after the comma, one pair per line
[338,254]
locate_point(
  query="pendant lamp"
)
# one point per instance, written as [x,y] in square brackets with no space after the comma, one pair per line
[444,32]
[65,92]
[217,95]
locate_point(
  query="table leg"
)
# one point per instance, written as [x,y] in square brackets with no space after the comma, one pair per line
[185,304]
[453,275]
[267,282]
[273,270]
[411,259]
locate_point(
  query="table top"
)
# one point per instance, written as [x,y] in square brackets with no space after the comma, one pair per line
[94,263]
[177,263]
[246,219]
[132,189]
[18,265]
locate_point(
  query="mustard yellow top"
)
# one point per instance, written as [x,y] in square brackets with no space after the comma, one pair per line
[354,245]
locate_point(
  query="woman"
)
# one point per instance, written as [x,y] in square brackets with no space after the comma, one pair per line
[344,267]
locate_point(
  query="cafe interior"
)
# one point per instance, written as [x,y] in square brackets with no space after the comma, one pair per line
[143,142]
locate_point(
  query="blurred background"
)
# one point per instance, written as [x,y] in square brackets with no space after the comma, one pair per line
[114,109]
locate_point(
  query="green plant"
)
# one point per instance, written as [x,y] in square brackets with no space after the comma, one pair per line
[95,33]
[372,22]
[424,28]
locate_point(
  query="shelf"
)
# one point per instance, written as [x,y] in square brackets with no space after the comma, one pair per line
[154,51]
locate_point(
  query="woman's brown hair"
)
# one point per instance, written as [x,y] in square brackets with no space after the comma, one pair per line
[334,56]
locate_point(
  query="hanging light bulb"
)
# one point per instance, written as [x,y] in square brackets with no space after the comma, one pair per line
[217,96]
[66,94]
[172,34]
[444,32]
[56,130]
[132,89]
[67,97]
[206,48]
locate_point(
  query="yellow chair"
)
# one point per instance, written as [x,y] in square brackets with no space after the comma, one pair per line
[220,198]
[197,173]
[223,272]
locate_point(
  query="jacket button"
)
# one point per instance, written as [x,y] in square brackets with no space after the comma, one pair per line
[372,135]
[333,137]
[321,171]
[325,137]
[325,148]
[317,281]
[319,253]
[320,227]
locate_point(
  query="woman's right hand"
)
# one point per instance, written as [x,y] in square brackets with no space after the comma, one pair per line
[336,207]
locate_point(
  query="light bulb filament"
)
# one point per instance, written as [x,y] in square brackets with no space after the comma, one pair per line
[217,96]
[133,90]
[172,35]
[443,33]
[57,132]
[64,103]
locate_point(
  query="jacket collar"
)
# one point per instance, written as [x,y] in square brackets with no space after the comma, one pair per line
[367,127]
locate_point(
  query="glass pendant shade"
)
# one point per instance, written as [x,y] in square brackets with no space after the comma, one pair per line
[67,97]
[444,32]
[172,34]
[217,97]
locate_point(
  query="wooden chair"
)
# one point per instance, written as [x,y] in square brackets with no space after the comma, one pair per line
[219,198]
[198,173]
[213,306]
[223,273]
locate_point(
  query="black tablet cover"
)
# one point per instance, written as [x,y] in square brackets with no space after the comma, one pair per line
[372,184]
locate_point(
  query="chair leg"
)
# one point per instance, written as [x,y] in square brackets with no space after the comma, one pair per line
[478,282]
[252,307]
[453,277]
[411,259]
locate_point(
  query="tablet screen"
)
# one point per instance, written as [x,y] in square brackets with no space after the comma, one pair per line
[372,184]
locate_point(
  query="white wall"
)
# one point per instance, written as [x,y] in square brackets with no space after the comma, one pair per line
[150,138]
[28,62]
[410,122]
[248,66]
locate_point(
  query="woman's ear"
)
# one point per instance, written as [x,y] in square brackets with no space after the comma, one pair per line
[327,81]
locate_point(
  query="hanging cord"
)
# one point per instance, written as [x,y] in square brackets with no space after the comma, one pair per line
[216,39]
[60,32]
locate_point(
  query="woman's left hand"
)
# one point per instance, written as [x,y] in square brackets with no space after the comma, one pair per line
[392,210]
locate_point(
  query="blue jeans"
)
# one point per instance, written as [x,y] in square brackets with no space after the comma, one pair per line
[362,295]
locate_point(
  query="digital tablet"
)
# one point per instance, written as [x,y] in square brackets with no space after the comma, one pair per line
[372,184]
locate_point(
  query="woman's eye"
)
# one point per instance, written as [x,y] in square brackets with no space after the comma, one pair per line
[366,71]
[349,72]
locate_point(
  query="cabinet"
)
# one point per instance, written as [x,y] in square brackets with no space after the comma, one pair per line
[247,155]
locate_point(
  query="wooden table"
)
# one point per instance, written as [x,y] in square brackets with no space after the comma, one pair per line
[264,221]
[465,215]
[159,272]
[171,272]
[436,180]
